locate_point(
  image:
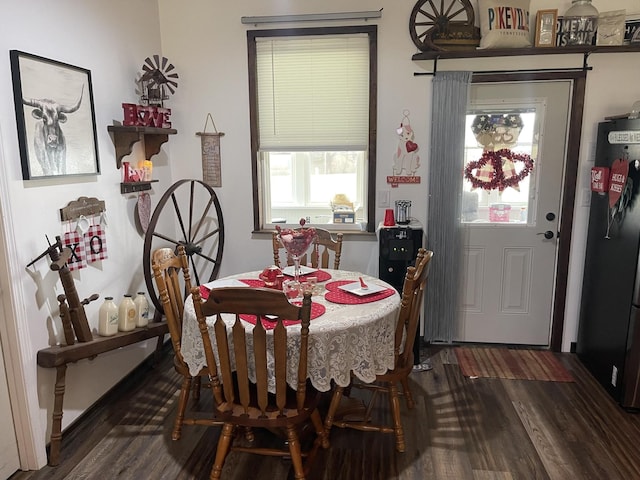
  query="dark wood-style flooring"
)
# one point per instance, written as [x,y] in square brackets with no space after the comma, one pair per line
[461,428]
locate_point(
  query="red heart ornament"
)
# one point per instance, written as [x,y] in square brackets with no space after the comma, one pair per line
[411,146]
[617,181]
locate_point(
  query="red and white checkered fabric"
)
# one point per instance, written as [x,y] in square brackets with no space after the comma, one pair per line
[78,258]
[508,168]
[95,241]
[485,173]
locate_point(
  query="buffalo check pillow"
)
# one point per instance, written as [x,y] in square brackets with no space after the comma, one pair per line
[504,23]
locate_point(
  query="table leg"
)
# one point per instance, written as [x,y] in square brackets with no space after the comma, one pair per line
[56,425]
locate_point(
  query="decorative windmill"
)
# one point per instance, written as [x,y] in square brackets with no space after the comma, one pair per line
[157,81]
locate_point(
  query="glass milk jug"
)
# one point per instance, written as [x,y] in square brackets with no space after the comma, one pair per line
[142,310]
[108,318]
[127,314]
[581,21]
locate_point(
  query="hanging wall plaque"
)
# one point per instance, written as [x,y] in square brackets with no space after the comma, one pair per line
[211,161]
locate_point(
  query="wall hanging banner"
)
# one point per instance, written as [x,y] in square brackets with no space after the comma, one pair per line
[406,159]
[617,181]
[599,179]
[75,242]
[95,244]
[211,160]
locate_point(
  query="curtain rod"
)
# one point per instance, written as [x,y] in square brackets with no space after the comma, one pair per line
[312,17]
[585,67]
[497,72]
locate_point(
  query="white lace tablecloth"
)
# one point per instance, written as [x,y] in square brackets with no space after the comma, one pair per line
[346,338]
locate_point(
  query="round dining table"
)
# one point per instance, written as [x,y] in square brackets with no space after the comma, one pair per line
[349,333]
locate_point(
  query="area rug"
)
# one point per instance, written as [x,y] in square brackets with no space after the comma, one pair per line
[515,364]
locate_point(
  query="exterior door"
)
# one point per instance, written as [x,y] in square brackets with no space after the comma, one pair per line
[511,220]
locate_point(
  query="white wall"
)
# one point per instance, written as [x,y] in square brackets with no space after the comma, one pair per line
[111,39]
[207,43]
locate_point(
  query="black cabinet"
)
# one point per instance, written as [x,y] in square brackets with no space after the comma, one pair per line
[398,250]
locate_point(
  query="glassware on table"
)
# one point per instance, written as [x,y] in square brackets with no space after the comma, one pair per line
[271,276]
[296,242]
[308,285]
[291,289]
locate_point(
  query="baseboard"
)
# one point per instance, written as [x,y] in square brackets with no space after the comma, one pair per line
[573,347]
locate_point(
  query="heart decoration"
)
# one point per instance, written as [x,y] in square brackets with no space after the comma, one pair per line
[617,181]
[411,147]
[489,178]
[144,210]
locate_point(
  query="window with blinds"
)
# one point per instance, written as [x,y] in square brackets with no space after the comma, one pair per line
[312,110]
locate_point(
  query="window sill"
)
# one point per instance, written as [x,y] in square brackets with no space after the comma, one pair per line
[346,233]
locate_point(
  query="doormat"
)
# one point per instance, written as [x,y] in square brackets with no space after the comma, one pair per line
[514,364]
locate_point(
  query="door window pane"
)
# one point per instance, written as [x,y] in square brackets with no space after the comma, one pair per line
[499,130]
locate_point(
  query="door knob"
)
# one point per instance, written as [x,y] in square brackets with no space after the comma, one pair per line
[548,234]
[550,216]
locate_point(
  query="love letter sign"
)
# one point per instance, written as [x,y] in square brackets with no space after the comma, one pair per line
[617,181]
[141,116]
[599,179]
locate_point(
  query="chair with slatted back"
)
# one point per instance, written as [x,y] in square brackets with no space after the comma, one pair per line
[172,278]
[412,296]
[323,244]
[263,400]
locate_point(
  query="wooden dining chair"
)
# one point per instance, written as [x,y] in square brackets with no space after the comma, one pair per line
[172,278]
[323,244]
[412,295]
[239,401]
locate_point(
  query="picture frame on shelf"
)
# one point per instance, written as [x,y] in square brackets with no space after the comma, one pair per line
[546,24]
[55,117]
[632,31]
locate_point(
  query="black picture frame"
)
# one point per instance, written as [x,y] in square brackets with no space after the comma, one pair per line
[66,144]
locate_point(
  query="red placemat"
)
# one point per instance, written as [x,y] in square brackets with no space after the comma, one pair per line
[316,310]
[335,295]
[204,291]
[321,275]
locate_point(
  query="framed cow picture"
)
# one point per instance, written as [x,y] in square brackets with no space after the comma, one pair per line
[55,117]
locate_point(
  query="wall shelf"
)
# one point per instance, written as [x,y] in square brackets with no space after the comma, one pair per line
[124,137]
[510,52]
[130,187]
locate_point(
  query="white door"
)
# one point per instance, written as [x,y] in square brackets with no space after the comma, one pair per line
[9,461]
[509,261]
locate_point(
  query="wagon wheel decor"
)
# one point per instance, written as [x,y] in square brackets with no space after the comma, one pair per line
[443,25]
[188,214]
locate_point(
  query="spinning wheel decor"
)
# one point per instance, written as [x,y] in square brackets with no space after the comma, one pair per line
[188,214]
[443,25]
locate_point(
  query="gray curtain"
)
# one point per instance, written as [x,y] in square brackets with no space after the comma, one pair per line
[444,232]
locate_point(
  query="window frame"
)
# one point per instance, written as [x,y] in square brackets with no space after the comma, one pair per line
[256,175]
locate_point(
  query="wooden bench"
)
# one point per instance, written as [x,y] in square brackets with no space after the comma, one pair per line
[59,356]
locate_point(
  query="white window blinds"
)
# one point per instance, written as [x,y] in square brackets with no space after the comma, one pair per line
[313,92]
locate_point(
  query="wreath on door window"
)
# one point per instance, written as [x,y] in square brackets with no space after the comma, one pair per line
[498,167]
